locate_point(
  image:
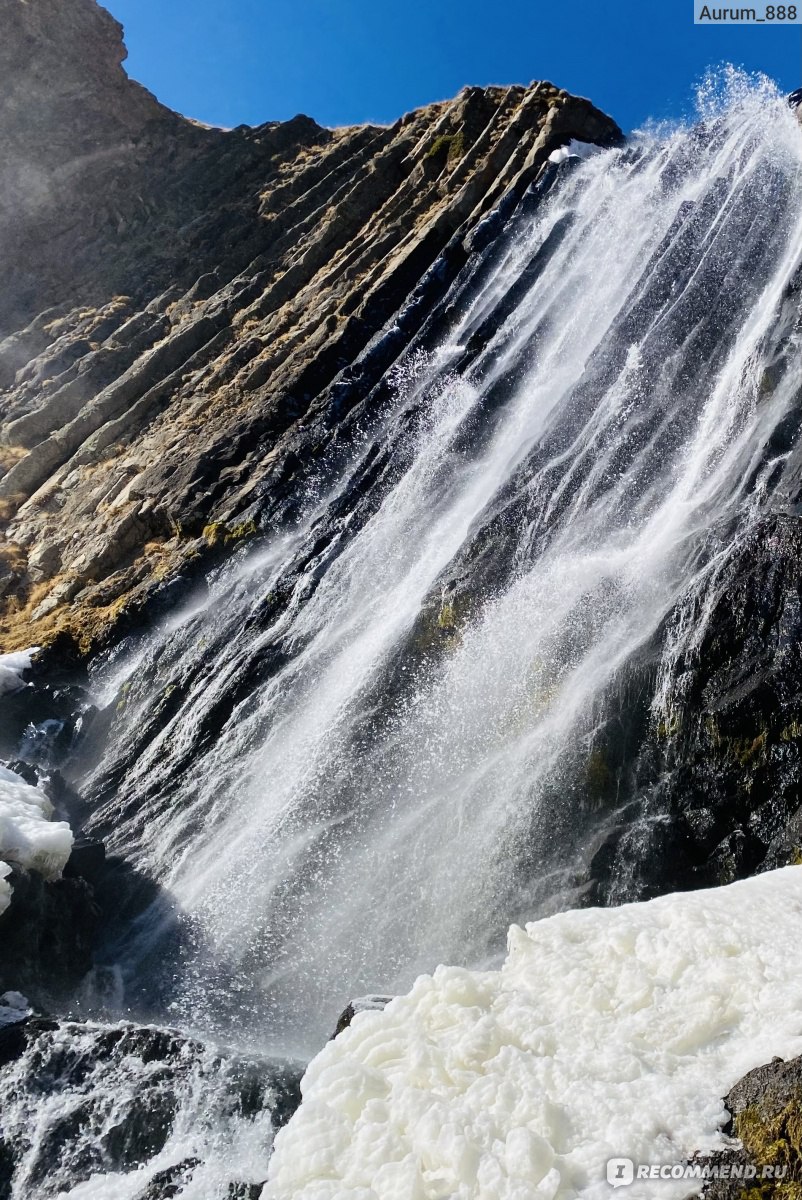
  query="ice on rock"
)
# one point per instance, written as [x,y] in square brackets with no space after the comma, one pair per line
[11,669]
[5,887]
[574,149]
[14,1008]
[28,836]
[607,1032]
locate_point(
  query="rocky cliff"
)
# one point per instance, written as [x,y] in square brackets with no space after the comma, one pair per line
[188,313]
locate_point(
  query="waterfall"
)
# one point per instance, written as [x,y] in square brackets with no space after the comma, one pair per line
[372,743]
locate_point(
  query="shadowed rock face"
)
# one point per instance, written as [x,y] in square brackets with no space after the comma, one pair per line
[48,935]
[719,779]
[181,304]
[80,149]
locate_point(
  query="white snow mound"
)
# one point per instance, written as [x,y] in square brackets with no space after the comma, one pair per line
[28,838]
[606,1033]
[5,887]
[574,149]
[11,668]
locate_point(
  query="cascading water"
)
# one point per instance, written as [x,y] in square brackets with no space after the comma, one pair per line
[370,746]
[410,716]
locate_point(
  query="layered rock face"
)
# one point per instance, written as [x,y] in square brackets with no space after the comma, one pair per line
[189,312]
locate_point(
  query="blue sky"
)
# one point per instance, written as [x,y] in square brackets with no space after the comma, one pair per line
[230,62]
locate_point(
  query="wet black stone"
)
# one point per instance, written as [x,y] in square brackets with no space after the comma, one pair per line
[87,860]
[25,771]
[48,934]
[361,1004]
[169,1183]
[765,1108]
[155,1069]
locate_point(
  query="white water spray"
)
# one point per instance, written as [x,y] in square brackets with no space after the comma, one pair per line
[394,788]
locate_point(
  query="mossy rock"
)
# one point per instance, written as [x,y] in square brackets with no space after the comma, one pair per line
[766,1107]
[217,533]
[440,625]
[772,1137]
[449,146]
[599,777]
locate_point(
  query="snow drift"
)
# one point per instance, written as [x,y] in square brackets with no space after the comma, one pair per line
[606,1032]
[28,837]
[12,668]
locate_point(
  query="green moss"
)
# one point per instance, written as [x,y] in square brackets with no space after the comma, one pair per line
[244,529]
[773,1140]
[214,533]
[670,726]
[771,1190]
[745,750]
[441,628]
[450,146]
[598,776]
[218,533]
[447,617]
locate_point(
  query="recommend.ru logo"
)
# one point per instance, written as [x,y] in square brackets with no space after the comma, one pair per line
[621,1172]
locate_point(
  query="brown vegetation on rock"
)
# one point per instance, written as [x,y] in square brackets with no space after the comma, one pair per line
[180,304]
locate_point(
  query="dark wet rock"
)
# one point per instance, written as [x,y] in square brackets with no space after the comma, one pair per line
[25,770]
[766,1117]
[714,787]
[14,1041]
[38,723]
[48,935]
[87,861]
[765,1092]
[285,1082]
[360,1004]
[170,1182]
[124,1087]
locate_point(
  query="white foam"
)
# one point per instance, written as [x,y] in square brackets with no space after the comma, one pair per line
[28,836]
[12,667]
[606,1032]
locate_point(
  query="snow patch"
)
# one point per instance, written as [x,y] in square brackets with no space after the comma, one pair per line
[5,887]
[11,669]
[28,837]
[14,1008]
[574,149]
[607,1032]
